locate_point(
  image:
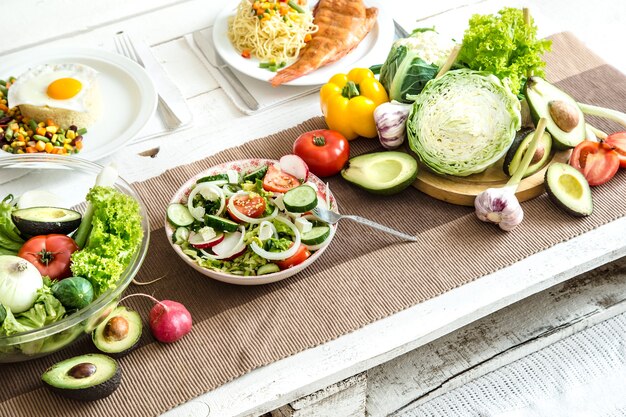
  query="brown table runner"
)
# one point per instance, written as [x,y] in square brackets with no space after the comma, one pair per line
[363,276]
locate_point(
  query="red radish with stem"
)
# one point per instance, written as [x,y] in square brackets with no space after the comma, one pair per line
[294,165]
[169,320]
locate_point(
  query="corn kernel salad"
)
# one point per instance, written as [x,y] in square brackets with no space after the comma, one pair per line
[19,134]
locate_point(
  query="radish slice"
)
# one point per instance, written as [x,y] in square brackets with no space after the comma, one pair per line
[279,256]
[294,165]
[237,252]
[231,245]
[203,240]
[243,217]
[208,191]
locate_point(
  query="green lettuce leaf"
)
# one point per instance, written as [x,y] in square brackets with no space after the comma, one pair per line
[115,236]
[505,46]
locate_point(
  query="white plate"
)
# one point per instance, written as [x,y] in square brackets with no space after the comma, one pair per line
[372,50]
[246,165]
[129,98]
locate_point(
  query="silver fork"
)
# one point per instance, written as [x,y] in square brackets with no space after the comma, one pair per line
[332,217]
[125,46]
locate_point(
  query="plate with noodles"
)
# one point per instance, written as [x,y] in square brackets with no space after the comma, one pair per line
[268,36]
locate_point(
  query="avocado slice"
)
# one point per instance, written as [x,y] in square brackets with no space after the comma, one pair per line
[35,221]
[568,189]
[119,333]
[381,172]
[518,148]
[565,120]
[85,378]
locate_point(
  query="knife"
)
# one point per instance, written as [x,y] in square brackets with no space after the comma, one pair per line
[205,44]
[169,94]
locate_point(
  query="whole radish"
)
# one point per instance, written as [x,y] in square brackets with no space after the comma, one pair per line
[169,320]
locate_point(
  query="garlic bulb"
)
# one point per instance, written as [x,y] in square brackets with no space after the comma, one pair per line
[390,119]
[500,206]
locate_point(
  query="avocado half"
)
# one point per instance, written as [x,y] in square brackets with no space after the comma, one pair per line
[568,189]
[540,96]
[87,377]
[383,173]
[518,148]
[119,333]
[36,221]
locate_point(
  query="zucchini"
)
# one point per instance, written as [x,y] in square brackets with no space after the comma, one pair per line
[74,292]
[300,199]
[257,174]
[316,235]
[179,215]
[220,223]
[267,269]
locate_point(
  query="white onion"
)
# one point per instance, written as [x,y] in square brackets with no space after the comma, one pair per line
[19,282]
[263,227]
[243,217]
[198,212]
[279,256]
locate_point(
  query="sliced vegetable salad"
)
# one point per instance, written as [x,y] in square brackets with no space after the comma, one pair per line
[47,272]
[254,221]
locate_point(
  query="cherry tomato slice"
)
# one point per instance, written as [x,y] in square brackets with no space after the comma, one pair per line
[618,142]
[300,256]
[248,205]
[278,181]
[597,161]
[50,254]
[324,151]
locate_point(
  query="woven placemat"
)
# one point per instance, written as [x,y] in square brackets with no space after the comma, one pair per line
[362,277]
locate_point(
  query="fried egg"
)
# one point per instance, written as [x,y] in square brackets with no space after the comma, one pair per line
[61,86]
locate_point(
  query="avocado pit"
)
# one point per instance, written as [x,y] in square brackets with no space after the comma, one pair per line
[82,370]
[116,329]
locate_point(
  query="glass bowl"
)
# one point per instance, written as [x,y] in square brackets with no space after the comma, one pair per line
[70,179]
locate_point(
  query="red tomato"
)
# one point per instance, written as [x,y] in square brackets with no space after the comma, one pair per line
[279,181]
[301,255]
[50,254]
[251,206]
[324,151]
[618,142]
[596,160]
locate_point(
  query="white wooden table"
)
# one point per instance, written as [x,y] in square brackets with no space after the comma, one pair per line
[382,359]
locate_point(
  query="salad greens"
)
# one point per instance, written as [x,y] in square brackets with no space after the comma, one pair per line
[114,237]
[10,239]
[412,62]
[505,46]
[46,310]
[463,122]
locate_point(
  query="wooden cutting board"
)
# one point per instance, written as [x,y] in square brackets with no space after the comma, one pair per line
[462,190]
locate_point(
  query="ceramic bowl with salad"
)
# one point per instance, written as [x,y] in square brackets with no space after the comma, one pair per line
[73,235]
[250,222]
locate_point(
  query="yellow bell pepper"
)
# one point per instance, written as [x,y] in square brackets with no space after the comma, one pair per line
[348,103]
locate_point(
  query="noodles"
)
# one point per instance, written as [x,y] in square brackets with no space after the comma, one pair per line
[274,32]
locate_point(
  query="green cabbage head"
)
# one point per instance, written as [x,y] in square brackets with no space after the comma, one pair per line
[412,62]
[463,122]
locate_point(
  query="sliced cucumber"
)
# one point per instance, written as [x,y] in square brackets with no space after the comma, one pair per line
[257,174]
[181,235]
[220,223]
[316,235]
[267,269]
[214,178]
[179,215]
[300,199]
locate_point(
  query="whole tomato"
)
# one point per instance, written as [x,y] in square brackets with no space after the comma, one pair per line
[50,254]
[597,161]
[324,151]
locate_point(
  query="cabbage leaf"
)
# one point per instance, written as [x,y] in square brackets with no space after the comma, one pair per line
[463,122]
